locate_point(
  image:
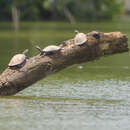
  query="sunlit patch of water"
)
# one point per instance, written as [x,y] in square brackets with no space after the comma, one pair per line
[107,89]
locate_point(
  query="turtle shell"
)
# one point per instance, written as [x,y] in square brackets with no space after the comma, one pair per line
[51,48]
[17,60]
[80,38]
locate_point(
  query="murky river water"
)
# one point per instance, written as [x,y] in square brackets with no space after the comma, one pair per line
[92,96]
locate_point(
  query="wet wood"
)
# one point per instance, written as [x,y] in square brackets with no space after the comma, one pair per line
[38,67]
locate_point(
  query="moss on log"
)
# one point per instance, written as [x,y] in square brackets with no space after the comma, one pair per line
[36,68]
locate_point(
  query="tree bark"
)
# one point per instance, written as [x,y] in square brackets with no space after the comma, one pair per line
[38,67]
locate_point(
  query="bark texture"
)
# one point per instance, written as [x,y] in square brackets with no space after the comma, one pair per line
[99,44]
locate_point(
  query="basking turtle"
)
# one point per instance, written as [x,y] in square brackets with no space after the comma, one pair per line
[80,38]
[18,60]
[49,49]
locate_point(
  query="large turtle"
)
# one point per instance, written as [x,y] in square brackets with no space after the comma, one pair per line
[80,38]
[18,60]
[49,49]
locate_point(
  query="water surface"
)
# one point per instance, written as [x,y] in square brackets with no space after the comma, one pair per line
[89,96]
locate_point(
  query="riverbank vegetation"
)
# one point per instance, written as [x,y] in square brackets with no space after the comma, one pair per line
[60,10]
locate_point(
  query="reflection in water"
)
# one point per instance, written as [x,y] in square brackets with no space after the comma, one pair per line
[92,96]
[60,114]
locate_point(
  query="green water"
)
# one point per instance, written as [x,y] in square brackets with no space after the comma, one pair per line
[92,96]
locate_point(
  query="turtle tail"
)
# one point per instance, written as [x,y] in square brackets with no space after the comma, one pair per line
[39,49]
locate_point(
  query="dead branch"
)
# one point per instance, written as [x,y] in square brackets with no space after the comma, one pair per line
[39,67]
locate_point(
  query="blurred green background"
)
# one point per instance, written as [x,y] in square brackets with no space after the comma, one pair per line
[71,10]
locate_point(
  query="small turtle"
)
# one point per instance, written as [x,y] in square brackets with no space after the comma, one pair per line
[80,38]
[49,50]
[18,60]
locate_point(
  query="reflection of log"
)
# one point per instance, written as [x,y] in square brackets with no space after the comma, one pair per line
[37,67]
[15,16]
[69,15]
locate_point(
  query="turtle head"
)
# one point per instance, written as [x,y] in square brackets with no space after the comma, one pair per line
[76,31]
[25,51]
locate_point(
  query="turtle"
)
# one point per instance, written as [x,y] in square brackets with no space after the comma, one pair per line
[18,60]
[49,49]
[80,38]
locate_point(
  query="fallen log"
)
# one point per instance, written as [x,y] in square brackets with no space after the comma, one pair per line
[38,67]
